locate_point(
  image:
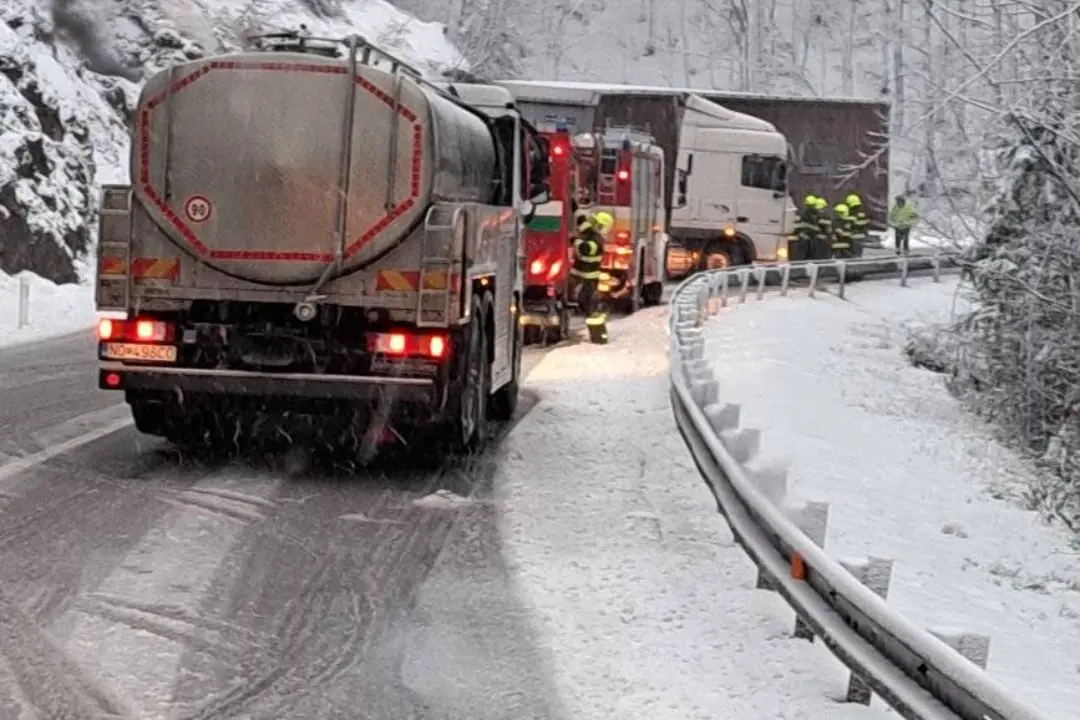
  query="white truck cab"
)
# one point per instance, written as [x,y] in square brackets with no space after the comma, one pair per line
[732,175]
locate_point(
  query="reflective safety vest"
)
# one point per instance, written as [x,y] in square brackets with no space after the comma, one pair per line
[811,225]
[588,256]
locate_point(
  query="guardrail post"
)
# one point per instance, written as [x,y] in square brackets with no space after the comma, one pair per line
[841,276]
[762,274]
[971,646]
[743,444]
[722,417]
[785,280]
[713,282]
[24,301]
[812,518]
[812,270]
[935,262]
[725,286]
[903,270]
[875,573]
[744,285]
[772,481]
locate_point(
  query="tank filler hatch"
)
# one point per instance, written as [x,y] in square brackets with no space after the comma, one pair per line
[302,41]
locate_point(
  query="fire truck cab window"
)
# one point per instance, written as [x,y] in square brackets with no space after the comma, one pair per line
[609,162]
[764,172]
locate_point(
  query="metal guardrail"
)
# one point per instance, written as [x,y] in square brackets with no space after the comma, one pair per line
[919,673]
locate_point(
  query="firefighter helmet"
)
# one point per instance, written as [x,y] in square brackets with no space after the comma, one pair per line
[852,200]
[603,221]
[821,203]
[841,209]
[810,201]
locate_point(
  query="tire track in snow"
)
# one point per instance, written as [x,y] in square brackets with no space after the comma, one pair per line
[327,619]
[137,624]
[42,680]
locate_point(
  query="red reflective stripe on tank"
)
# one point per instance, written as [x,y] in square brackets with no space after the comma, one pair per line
[265,255]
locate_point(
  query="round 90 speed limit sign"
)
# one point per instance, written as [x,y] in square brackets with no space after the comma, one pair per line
[198,209]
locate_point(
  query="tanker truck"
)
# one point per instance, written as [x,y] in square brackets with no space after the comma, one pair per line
[313,231]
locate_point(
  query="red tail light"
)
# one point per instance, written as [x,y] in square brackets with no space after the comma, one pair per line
[407,345]
[139,330]
[539,268]
[624,175]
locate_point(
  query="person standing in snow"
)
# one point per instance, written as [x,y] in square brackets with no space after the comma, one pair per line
[902,218]
[588,256]
[859,221]
[806,232]
[843,238]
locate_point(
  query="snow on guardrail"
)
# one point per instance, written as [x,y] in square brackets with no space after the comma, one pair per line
[923,675]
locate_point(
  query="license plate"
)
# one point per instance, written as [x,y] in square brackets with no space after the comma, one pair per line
[145,353]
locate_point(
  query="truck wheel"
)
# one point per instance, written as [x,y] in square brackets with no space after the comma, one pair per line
[652,294]
[505,400]
[469,427]
[151,417]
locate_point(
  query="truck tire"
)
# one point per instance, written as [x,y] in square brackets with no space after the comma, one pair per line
[505,400]
[652,294]
[469,426]
[151,417]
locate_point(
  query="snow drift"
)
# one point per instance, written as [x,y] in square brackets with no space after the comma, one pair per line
[69,77]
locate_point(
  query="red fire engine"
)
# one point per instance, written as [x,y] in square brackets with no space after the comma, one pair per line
[548,236]
[622,171]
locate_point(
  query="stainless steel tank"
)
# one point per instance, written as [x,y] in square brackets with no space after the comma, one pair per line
[241,163]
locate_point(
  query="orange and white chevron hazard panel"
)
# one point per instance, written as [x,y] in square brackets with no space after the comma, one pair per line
[112,265]
[155,269]
[409,280]
[397,281]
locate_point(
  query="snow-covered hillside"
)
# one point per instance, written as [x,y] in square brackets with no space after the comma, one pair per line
[69,75]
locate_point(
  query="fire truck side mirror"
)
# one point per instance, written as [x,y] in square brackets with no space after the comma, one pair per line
[540,193]
[526,210]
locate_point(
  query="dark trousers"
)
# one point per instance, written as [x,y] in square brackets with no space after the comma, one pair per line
[586,297]
[589,303]
[902,236]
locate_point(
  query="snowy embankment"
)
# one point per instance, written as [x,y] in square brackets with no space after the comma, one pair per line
[639,596]
[909,475]
[65,95]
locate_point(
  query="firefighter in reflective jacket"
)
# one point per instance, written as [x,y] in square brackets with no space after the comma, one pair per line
[588,256]
[860,223]
[811,231]
[844,232]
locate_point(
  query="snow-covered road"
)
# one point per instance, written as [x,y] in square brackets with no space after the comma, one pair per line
[909,475]
[629,575]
